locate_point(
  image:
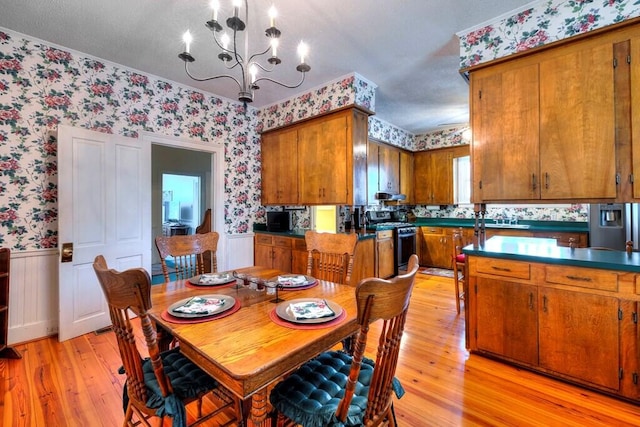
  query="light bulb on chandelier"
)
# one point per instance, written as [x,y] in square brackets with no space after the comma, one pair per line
[232,58]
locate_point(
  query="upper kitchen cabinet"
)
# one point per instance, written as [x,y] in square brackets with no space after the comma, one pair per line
[634,116]
[553,124]
[406,176]
[505,117]
[433,175]
[328,165]
[389,170]
[280,168]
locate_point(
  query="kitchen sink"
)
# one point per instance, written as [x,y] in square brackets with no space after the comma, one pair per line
[505,225]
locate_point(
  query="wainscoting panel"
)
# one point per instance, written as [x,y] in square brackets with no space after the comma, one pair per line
[33,295]
[239,251]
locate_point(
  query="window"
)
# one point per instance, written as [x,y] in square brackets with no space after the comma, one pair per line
[324,219]
[462,180]
[181,199]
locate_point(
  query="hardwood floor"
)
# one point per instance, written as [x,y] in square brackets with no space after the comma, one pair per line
[76,383]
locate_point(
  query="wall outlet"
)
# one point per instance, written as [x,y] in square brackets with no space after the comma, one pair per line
[52,330]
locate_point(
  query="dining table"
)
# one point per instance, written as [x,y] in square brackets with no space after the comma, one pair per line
[254,344]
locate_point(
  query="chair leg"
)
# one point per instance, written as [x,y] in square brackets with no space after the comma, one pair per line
[456,281]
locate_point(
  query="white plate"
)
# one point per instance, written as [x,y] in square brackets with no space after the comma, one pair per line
[286,312]
[212,279]
[293,280]
[202,306]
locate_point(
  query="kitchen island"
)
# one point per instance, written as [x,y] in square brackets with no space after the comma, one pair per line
[567,313]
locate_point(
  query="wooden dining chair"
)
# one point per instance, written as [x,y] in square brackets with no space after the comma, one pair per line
[336,388]
[330,256]
[165,382]
[190,254]
[458,261]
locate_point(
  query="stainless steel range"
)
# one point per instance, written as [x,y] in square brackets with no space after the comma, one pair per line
[404,236]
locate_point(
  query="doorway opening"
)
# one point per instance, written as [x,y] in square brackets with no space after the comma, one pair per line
[182,191]
[181,201]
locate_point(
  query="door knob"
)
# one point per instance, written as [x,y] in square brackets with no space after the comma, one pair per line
[67,252]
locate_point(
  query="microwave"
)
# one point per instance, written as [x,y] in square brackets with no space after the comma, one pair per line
[279,221]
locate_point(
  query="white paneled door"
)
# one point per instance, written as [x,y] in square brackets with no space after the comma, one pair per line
[104,199]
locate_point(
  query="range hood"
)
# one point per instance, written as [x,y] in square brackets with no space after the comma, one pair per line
[389,196]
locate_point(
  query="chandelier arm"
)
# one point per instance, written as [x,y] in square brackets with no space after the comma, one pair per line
[227,50]
[263,68]
[282,84]
[259,54]
[206,79]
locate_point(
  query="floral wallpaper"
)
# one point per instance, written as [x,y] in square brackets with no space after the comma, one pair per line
[574,212]
[443,138]
[346,91]
[543,23]
[386,132]
[42,86]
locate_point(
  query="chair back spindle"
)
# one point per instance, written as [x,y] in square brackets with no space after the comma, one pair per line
[330,256]
[189,253]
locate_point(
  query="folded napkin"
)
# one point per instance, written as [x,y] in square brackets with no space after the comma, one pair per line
[198,305]
[208,279]
[311,310]
[292,280]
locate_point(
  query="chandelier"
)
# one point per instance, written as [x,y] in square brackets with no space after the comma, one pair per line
[232,57]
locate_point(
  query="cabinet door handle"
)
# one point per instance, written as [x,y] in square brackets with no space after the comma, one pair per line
[578,278]
[544,303]
[500,268]
[531,301]
[534,184]
[546,180]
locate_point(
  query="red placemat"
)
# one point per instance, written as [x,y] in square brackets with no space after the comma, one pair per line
[188,284]
[278,321]
[184,320]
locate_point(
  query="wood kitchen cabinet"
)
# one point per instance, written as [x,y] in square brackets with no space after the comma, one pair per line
[272,251]
[574,323]
[320,161]
[406,176]
[579,335]
[389,170]
[323,152]
[280,167]
[555,123]
[436,247]
[507,319]
[385,254]
[433,177]
[634,104]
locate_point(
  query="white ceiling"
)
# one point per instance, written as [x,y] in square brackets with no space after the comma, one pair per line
[406,47]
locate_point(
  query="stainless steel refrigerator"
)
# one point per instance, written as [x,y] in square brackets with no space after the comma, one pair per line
[611,225]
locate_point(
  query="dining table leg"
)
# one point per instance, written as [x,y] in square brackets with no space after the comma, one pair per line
[260,410]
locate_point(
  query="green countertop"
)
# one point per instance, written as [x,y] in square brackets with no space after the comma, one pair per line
[546,251]
[567,226]
[299,232]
